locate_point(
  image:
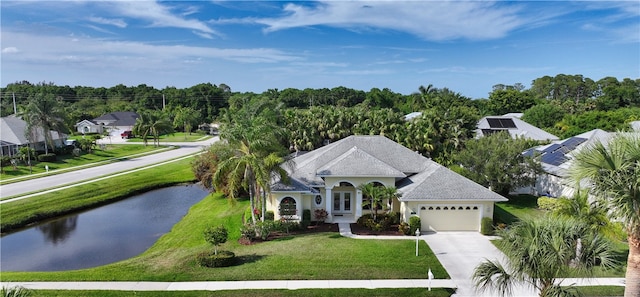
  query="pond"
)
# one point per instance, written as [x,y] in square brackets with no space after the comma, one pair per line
[100,236]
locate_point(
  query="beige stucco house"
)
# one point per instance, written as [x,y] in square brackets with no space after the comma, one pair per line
[328,178]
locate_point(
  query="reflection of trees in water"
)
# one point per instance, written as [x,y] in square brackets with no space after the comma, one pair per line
[58,230]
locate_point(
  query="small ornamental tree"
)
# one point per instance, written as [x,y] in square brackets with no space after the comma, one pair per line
[216,236]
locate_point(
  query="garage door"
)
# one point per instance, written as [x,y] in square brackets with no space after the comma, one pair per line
[450,217]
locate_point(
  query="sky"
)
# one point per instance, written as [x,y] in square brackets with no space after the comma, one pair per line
[253,46]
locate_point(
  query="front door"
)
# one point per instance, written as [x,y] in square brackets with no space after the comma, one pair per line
[341,202]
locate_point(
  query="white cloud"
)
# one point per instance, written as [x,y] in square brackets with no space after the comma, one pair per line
[441,20]
[97,53]
[113,22]
[160,16]
[10,50]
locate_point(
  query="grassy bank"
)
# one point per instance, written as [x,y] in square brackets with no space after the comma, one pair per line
[262,293]
[111,153]
[309,256]
[23,212]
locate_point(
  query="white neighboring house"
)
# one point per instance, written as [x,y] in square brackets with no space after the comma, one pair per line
[328,178]
[115,123]
[514,126]
[556,159]
[14,136]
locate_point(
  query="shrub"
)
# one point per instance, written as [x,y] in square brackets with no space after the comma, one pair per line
[269,215]
[404,228]
[362,221]
[222,259]
[414,224]
[486,227]
[248,231]
[50,157]
[264,229]
[547,203]
[5,161]
[395,216]
[306,218]
[320,215]
[216,236]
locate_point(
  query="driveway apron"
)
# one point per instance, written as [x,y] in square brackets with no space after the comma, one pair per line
[460,253]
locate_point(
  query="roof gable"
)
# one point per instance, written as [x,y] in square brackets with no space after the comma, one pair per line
[356,162]
[440,183]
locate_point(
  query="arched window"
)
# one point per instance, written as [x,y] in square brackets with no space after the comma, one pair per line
[288,207]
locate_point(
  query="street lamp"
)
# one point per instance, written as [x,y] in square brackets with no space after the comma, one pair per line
[417,240]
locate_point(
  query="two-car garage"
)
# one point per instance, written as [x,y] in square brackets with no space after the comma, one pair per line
[450,217]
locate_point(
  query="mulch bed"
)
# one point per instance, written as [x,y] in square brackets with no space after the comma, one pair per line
[313,228]
[359,230]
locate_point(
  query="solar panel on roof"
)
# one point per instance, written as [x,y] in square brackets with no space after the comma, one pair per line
[572,143]
[529,152]
[555,158]
[501,123]
[508,123]
[551,148]
[489,131]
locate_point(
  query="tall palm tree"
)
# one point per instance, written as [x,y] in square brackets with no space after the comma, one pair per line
[253,133]
[539,251]
[43,115]
[613,173]
[152,123]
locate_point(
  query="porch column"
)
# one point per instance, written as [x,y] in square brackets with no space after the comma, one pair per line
[358,203]
[328,199]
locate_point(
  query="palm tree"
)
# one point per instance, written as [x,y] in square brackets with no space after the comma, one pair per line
[43,114]
[613,173]
[253,133]
[186,117]
[539,251]
[153,123]
[590,212]
[375,194]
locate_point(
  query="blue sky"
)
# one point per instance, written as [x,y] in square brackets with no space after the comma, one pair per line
[466,46]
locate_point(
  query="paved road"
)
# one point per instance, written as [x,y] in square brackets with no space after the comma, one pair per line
[20,188]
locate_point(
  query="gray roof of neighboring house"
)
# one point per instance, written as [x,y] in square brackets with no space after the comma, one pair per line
[293,185]
[516,128]
[118,118]
[418,178]
[13,131]
[556,156]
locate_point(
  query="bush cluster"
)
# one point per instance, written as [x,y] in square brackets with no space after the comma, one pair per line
[548,203]
[404,228]
[222,259]
[5,161]
[384,221]
[320,214]
[486,227]
[306,218]
[269,215]
[414,224]
[50,157]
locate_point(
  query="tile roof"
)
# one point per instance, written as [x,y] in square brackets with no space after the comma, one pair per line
[418,178]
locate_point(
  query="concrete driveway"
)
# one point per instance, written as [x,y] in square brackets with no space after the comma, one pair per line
[460,253]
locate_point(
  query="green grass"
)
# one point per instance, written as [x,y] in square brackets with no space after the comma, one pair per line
[601,291]
[409,292]
[309,256]
[518,206]
[22,212]
[175,137]
[112,152]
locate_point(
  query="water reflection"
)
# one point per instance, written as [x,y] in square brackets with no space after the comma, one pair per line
[58,230]
[100,236]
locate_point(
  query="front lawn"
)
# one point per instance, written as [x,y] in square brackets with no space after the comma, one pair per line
[111,153]
[307,256]
[409,292]
[175,137]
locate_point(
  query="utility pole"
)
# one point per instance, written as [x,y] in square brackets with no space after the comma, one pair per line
[163,102]
[15,110]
